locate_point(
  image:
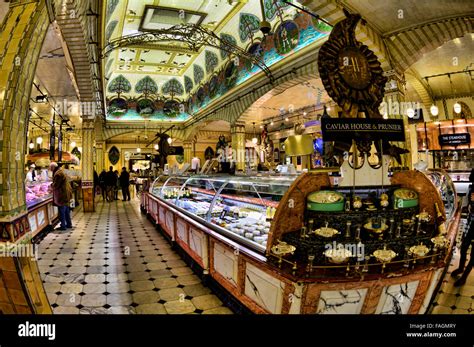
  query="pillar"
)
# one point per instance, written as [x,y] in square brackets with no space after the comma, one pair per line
[88,135]
[99,152]
[395,97]
[237,131]
[21,38]
[188,151]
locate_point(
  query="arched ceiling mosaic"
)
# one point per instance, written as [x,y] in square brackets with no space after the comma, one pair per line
[192,79]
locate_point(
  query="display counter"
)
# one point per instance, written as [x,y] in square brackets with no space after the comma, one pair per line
[41,212]
[277,252]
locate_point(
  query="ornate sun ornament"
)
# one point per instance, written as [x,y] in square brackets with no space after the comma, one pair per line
[350,71]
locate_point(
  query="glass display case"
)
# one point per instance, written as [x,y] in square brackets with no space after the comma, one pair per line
[443,182]
[37,192]
[240,208]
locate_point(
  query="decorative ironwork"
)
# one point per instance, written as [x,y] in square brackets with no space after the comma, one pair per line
[193,37]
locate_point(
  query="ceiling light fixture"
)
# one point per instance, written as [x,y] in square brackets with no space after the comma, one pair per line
[157,147]
[410,112]
[457,107]
[39,140]
[170,140]
[31,145]
[73,144]
[434,110]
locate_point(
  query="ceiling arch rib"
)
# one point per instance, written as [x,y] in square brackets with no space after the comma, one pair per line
[408,46]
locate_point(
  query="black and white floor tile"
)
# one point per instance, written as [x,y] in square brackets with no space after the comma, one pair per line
[114,261]
[455,300]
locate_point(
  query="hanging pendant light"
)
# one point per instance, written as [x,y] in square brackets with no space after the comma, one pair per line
[73,144]
[157,147]
[410,112]
[170,140]
[254,139]
[31,145]
[39,140]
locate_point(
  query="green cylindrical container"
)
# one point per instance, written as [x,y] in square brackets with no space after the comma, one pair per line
[317,201]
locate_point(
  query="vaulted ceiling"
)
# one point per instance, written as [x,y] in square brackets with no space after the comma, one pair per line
[235,21]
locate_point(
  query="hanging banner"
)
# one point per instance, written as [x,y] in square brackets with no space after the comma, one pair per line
[343,129]
[454,139]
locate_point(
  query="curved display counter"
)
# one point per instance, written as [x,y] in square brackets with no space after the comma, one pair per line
[277,252]
[41,212]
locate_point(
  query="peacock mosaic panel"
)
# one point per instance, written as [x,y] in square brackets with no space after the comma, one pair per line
[111,6]
[198,74]
[146,86]
[211,61]
[249,24]
[110,29]
[226,40]
[173,87]
[119,85]
[188,84]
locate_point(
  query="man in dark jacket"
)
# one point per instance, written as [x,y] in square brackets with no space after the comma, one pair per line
[111,182]
[62,195]
[102,184]
[125,183]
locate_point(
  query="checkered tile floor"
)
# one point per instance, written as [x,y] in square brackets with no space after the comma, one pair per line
[115,261]
[455,300]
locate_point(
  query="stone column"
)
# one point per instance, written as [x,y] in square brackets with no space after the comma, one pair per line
[21,38]
[88,164]
[188,151]
[395,99]
[99,151]
[237,131]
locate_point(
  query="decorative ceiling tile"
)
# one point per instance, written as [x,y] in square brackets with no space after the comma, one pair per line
[111,6]
[146,86]
[173,87]
[226,38]
[272,7]
[188,84]
[198,74]
[110,29]
[248,25]
[211,61]
[120,85]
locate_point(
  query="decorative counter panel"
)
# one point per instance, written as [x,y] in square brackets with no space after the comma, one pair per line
[341,302]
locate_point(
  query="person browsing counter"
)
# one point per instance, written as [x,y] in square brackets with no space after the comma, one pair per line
[62,195]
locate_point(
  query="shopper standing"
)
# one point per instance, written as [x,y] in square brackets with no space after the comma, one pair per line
[117,185]
[96,182]
[102,184]
[125,184]
[62,195]
[111,183]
